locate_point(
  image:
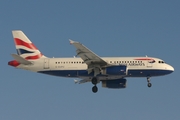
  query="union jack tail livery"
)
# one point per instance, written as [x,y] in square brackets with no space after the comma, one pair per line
[25,48]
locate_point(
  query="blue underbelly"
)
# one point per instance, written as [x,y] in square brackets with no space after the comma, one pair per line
[84,73]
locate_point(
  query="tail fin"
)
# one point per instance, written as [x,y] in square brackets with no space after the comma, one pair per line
[25,48]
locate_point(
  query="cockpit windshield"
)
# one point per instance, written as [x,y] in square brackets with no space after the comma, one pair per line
[161,62]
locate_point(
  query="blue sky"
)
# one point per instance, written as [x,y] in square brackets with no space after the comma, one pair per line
[109,28]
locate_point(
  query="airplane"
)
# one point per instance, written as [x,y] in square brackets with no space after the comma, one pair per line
[88,66]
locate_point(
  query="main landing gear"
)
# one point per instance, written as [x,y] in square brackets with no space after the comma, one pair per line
[148,80]
[94,82]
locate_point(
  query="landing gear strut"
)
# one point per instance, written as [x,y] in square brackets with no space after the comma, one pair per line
[94,82]
[148,80]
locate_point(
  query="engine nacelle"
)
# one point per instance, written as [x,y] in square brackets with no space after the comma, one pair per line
[116,70]
[116,84]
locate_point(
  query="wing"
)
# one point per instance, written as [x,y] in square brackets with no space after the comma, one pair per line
[94,62]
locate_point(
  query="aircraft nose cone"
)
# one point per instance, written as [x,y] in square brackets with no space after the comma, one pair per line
[170,68]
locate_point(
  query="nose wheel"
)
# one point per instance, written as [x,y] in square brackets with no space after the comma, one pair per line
[148,80]
[149,85]
[94,82]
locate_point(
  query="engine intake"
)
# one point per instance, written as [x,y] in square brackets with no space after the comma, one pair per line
[116,84]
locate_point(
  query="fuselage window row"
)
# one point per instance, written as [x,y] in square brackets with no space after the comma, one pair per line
[69,62]
[119,62]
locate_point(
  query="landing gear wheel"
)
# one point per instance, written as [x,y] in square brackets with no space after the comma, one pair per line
[94,80]
[148,80]
[94,89]
[149,85]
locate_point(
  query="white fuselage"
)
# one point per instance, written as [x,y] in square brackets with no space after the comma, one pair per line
[75,67]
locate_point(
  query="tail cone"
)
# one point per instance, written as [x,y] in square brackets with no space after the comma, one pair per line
[13,63]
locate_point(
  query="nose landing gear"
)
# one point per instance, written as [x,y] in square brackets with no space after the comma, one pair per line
[148,80]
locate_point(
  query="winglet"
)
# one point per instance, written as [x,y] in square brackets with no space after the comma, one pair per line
[76,81]
[71,41]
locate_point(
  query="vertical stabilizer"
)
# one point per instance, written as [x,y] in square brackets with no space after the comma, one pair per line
[25,48]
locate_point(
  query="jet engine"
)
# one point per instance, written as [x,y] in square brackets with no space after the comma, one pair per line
[116,84]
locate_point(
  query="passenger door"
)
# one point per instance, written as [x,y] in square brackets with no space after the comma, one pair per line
[46,63]
[149,64]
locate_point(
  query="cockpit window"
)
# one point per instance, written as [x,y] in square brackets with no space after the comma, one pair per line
[161,62]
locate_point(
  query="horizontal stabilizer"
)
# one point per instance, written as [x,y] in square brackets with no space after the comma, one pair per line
[21,59]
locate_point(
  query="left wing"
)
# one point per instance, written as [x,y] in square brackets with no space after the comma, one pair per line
[94,62]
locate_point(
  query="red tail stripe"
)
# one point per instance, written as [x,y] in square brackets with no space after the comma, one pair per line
[33,57]
[28,45]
